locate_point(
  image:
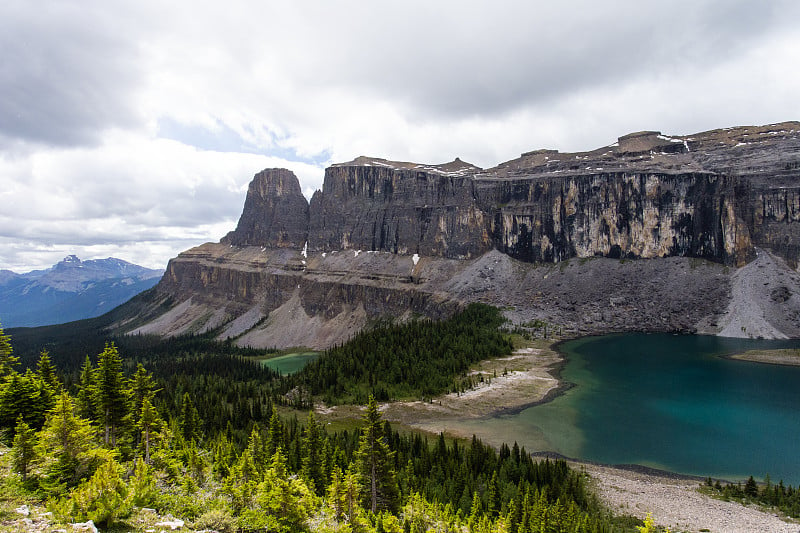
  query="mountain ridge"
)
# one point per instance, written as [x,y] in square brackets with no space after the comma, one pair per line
[70,290]
[645,234]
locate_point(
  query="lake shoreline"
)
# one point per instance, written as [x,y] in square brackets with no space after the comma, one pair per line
[787,357]
[672,498]
[508,385]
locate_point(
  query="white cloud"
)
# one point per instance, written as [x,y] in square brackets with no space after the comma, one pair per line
[130,194]
[133,128]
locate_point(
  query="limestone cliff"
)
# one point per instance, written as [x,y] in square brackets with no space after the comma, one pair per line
[372,204]
[549,236]
[275,212]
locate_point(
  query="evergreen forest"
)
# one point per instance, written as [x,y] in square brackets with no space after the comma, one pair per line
[201,434]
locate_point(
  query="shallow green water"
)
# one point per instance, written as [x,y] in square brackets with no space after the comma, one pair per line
[668,402]
[290,363]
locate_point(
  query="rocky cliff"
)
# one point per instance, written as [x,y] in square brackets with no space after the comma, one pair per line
[649,233]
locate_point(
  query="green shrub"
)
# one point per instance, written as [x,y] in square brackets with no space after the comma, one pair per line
[142,486]
[219,519]
[102,498]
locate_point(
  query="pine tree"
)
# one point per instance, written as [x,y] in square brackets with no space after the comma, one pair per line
[85,400]
[23,451]
[112,395]
[142,485]
[313,468]
[189,419]
[8,362]
[67,447]
[102,499]
[149,422]
[374,459]
[142,386]
[47,371]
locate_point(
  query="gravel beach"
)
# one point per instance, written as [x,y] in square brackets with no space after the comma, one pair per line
[531,376]
[677,504]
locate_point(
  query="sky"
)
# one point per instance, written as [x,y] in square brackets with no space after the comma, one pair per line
[132,129]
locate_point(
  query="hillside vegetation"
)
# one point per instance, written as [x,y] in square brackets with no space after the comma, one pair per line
[113,444]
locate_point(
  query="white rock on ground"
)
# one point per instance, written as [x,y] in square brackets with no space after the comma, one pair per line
[677,504]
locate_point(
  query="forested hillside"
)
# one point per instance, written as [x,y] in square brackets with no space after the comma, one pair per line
[420,358]
[114,442]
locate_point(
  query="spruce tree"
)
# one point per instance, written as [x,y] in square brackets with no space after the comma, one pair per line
[275,435]
[336,499]
[47,372]
[751,488]
[112,395]
[257,450]
[23,450]
[149,422]
[8,362]
[20,396]
[313,468]
[189,419]
[67,447]
[492,496]
[47,382]
[142,386]
[87,392]
[374,458]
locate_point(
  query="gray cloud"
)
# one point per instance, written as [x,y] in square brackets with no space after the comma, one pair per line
[67,73]
[485,59]
[132,128]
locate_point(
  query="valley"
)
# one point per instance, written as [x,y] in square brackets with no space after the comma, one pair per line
[676,236]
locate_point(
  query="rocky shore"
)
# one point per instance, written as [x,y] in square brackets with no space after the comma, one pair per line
[531,376]
[676,503]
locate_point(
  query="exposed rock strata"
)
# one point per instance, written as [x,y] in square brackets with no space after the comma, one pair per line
[275,212]
[645,234]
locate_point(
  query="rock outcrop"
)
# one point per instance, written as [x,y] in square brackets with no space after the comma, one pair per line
[275,212]
[644,234]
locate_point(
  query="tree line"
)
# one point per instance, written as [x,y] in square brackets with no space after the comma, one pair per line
[784,498]
[416,359]
[114,440]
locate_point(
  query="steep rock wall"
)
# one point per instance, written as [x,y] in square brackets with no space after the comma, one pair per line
[618,215]
[389,238]
[397,210]
[275,212]
[776,221]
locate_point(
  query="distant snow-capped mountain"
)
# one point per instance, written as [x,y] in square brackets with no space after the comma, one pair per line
[70,290]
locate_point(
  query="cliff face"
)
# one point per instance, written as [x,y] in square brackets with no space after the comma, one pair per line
[618,215]
[389,238]
[399,208]
[275,212]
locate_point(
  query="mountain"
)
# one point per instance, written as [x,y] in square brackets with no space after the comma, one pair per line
[692,233]
[70,290]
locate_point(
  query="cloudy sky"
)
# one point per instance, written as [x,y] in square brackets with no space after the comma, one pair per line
[131,129]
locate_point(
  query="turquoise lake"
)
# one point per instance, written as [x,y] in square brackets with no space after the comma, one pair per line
[290,363]
[668,402]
